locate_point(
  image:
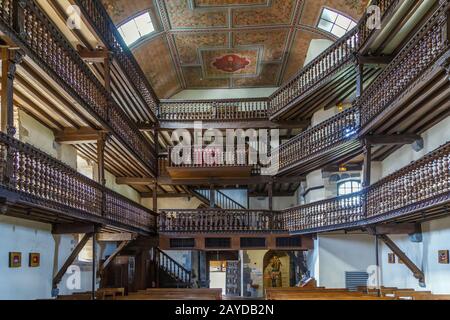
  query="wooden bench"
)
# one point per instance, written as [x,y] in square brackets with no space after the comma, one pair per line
[175,294]
[318,294]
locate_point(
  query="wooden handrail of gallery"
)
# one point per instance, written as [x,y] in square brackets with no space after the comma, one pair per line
[36,175]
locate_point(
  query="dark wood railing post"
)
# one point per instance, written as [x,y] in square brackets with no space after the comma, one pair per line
[212,196]
[18,16]
[359,68]
[445,18]
[367,170]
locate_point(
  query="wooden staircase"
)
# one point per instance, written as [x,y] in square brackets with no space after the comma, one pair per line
[171,273]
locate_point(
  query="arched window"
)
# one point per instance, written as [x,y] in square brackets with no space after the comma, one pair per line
[335,23]
[348,187]
[136,28]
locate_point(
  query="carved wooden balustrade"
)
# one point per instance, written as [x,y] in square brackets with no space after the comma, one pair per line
[386,7]
[211,110]
[421,52]
[47,46]
[105,28]
[345,210]
[39,179]
[327,63]
[328,134]
[218,220]
[207,156]
[421,183]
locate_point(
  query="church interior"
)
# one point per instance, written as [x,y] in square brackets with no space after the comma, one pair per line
[225,150]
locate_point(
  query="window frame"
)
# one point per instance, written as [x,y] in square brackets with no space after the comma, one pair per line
[338,13]
[142,38]
[340,183]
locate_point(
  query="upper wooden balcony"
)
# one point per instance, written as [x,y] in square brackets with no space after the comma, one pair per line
[35,186]
[96,16]
[419,191]
[75,96]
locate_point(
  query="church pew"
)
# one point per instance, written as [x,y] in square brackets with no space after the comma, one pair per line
[78,296]
[175,294]
[324,296]
[432,297]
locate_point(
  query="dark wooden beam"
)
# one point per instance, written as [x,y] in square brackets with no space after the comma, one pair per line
[367,166]
[57,278]
[418,274]
[70,228]
[375,60]
[115,237]
[398,139]
[134,181]
[398,228]
[107,262]
[168,195]
[253,180]
[93,56]
[235,124]
[79,136]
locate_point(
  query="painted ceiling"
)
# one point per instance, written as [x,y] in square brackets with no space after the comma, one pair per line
[201,44]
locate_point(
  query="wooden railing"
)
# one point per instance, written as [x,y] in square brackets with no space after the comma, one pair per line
[41,179]
[334,131]
[422,180]
[173,268]
[327,63]
[386,7]
[331,212]
[221,200]
[218,220]
[416,57]
[48,47]
[105,28]
[424,183]
[211,110]
[204,156]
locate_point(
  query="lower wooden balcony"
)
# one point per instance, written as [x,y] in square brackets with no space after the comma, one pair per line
[35,186]
[415,193]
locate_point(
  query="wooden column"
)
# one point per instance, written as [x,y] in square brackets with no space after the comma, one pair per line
[107,73]
[270,186]
[359,78]
[101,144]
[10,59]
[155,197]
[212,196]
[94,259]
[367,164]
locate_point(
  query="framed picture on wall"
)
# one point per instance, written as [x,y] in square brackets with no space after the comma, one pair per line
[391,258]
[34,260]
[15,259]
[443,257]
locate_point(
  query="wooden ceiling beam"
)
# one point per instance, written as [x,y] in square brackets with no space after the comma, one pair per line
[134,181]
[92,56]
[166,195]
[80,136]
[396,139]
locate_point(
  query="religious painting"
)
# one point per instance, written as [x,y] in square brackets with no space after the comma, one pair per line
[15,259]
[276,269]
[391,258]
[443,256]
[34,260]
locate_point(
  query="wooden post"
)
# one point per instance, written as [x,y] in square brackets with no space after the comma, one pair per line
[212,196]
[107,73]
[367,164]
[94,274]
[10,59]
[155,197]
[270,186]
[359,79]
[101,144]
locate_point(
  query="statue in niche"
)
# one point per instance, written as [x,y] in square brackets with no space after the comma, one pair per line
[275,272]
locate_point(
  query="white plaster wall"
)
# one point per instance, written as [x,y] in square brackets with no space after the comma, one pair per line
[279,203]
[316,47]
[224,93]
[315,179]
[26,283]
[433,138]
[172,203]
[338,253]
[436,236]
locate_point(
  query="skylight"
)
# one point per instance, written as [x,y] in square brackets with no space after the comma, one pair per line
[335,23]
[136,28]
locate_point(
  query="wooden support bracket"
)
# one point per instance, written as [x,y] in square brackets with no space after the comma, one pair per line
[71,259]
[105,264]
[418,274]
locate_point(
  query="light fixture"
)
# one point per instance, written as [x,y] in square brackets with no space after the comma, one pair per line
[342,168]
